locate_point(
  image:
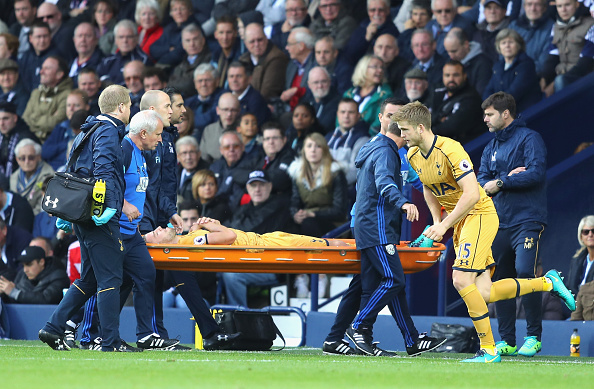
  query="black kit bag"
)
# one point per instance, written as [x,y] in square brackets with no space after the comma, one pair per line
[257,328]
[460,339]
[69,195]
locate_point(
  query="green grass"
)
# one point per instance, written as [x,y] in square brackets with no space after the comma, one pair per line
[31,364]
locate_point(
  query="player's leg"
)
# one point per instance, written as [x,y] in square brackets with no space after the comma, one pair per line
[473,237]
[505,257]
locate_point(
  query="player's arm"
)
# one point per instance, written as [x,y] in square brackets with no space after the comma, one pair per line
[218,234]
[433,204]
[470,196]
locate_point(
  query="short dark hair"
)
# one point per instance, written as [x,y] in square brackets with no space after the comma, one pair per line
[62,65]
[239,64]
[500,101]
[453,62]
[39,24]
[187,205]
[348,100]
[229,19]
[392,100]
[152,71]
[171,91]
[273,126]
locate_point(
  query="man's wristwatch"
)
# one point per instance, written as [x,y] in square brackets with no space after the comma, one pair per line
[499,183]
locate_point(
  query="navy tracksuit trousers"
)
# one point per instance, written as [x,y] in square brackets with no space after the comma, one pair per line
[382,283]
[515,251]
[101,272]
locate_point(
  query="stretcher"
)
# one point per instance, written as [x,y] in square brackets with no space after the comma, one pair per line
[296,260]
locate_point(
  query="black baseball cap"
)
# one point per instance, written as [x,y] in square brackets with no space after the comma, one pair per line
[31,253]
[258,175]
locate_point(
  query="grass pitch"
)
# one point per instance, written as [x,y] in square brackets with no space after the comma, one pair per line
[31,364]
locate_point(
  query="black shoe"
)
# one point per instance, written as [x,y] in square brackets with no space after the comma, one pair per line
[424,343]
[70,334]
[54,341]
[179,347]
[94,345]
[155,342]
[219,341]
[362,340]
[340,347]
[378,352]
[126,348]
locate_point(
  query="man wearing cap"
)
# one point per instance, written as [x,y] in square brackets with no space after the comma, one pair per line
[12,130]
[416,87]
[495,21]
[40,281]
[11,90]
[264,213]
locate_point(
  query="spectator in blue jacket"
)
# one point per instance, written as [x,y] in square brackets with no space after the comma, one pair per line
[445,17]
[513,173]
[535,27]
[204,104]
[41,47]
[126,40]
[514,73]
[227,47]
[250,100]
[295,16]
[54,148]
[167,50]
[364,36]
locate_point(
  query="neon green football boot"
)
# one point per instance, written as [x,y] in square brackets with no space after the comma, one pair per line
[503,348]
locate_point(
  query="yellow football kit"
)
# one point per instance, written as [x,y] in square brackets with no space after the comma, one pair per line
[271,239]
[440,170]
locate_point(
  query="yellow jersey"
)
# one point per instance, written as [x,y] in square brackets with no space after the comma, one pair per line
[441,169]
[272,239]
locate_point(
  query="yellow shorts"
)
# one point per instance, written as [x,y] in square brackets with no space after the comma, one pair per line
[284,239]
[473,238]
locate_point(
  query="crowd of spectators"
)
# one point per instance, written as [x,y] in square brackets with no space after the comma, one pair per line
[292,88]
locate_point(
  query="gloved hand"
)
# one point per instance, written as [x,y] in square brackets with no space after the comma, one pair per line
[105,216]
[64,225]
[422,241]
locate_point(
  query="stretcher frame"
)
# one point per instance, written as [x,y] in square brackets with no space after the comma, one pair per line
[295,260]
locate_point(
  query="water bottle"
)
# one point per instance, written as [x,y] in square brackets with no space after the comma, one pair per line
[575,344]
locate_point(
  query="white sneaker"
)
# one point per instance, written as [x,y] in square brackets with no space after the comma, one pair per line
[301,284]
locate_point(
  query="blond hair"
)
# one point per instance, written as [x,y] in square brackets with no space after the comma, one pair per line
[112,97]
[414,114]
[586,221]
